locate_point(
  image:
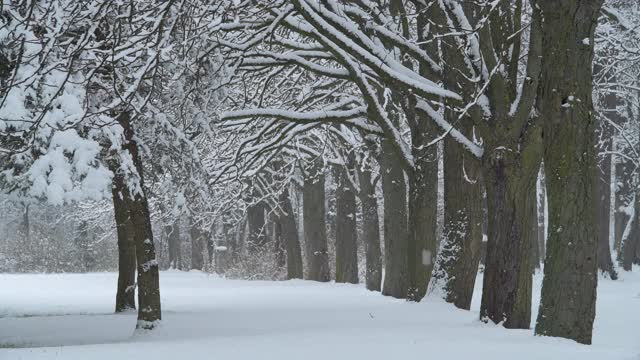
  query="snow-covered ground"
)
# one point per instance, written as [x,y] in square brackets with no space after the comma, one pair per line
[69,316]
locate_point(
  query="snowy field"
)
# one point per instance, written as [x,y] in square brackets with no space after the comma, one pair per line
[70,317]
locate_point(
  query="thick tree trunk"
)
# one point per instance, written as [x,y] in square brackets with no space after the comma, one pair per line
[315,230]
[396,234]
[423,178]
[567,305]
[125,295]
[346,232]
[510,184]
[423,211]
[149,311]
[370,229]
[172,232]
[289,237]
[462,236]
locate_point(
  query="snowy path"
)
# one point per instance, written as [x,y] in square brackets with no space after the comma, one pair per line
[69,317]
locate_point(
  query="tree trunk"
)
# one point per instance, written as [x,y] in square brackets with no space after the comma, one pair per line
[423,210]
[198,239]
[605,133]
[257,237]
[603,199]
[370,229]
[346,232]
[631,236]
[462,236]
[623,197]
[396,234]
[506,290]
[149,311]
[125,295]
[567,305]
[289,237]
[172,233]
[315,230]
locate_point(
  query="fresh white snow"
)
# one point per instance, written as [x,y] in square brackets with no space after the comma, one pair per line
[69,316]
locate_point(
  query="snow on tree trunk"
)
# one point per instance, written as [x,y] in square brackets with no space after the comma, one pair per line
[631,235]
[149,311]
[567,305]
[462,236]
[542,200]
[125,295]
[623,197]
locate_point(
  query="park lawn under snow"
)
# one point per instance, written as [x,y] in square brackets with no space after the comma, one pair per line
[69,316]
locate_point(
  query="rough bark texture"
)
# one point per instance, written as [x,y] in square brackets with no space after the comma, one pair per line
[315,230]
[370,229]
[423,209]
[462,236]
[346,232]
[510,184]
[567,306]
[149,311]
[396,234]
[289,237]
[423,185]
[125,295]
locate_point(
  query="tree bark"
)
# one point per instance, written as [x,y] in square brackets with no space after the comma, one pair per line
[567,305]
[631,236]
[149,310]
[346,232]
[510,184]
[125,295]
[604,143]
[289,237]
[370,229]
[462,235]
[315,230]
[396,234]
[603,197]
[257,237]
[423,180]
